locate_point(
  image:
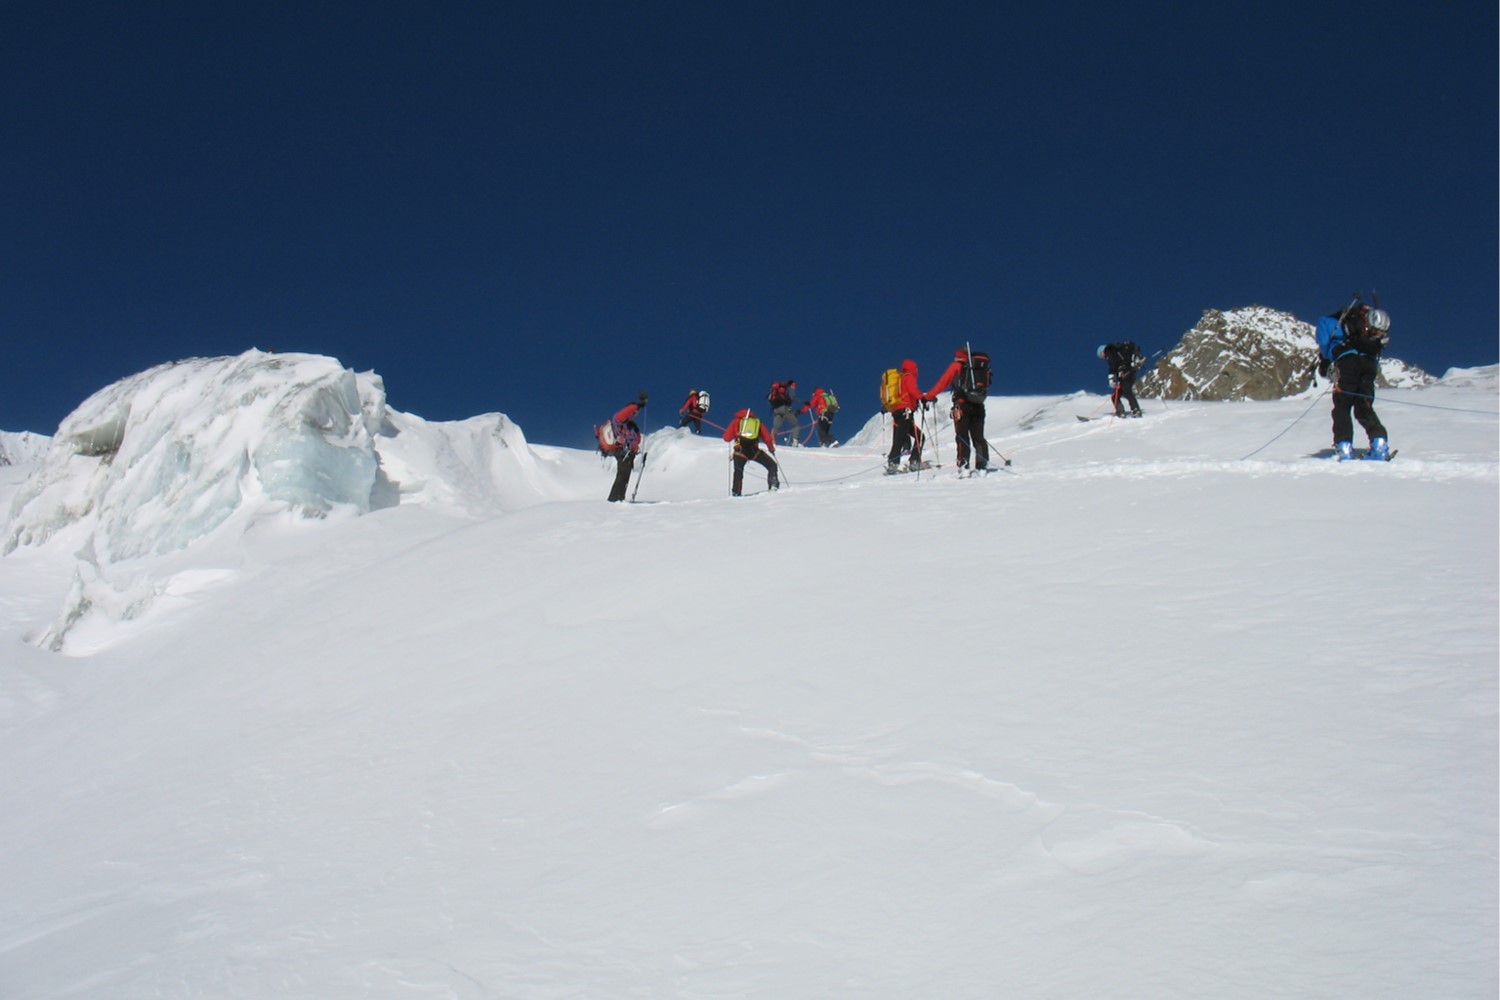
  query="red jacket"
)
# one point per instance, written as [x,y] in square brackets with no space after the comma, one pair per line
[732,432]
[960,356]
[817,404]
[910,394]
[628,436]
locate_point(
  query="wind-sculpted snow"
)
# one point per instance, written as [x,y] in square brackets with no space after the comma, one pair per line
[158,460]
[156,463]
[24,448]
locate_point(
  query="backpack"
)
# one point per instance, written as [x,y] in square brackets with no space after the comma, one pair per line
[830,403]
[780,394]
[606,436]
[703,400]
[890,390]
[973,381]
[1330,336]
[614,436]
[750,428]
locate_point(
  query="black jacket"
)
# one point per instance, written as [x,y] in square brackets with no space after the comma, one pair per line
[1358,335]
[1123,359]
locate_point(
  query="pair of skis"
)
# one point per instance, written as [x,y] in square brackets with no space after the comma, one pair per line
[1361,457]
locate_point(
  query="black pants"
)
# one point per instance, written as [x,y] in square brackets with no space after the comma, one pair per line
[750,452]
[624,462]
[1355,391]
[968,433]
[904,433]
[825,432]
[1125,390]
[695,421]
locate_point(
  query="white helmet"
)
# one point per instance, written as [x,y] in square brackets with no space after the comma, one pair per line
[1379,319]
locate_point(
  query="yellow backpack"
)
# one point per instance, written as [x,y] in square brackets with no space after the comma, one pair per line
[750,428]
[890,390]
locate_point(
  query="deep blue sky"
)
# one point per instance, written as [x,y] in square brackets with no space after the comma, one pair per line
[542,207]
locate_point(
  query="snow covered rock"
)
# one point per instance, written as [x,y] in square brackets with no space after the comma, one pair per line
[1252,353]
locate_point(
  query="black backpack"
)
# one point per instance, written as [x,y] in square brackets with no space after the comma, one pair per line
[973,380]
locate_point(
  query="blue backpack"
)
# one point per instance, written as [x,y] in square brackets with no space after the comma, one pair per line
[1330,336]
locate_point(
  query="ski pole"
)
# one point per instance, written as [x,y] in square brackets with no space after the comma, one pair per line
[996,451]
[644,454]
[639,476]
[937,454]
[780,469]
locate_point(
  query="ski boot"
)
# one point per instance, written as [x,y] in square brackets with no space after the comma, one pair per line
[1380,451]
[1345,450]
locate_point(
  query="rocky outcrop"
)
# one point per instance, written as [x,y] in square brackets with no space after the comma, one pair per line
[1250,353]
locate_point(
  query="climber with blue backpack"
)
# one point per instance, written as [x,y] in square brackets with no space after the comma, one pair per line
[1349,345]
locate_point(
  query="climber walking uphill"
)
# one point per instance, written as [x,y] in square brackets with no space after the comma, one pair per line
[824,404]
[900,398]
[693,409]
[621,438]
[1350,342]
[1123,360]
[969,376]
[783,398]
[748,434]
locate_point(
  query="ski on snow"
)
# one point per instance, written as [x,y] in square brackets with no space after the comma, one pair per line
[1363,456]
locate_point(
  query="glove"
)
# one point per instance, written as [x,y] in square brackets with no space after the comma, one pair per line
[926,405]
[643,398]
[1323,367]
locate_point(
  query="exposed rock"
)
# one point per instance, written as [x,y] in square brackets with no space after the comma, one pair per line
[1251,353]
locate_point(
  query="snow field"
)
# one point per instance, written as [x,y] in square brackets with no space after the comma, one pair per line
[1137,719]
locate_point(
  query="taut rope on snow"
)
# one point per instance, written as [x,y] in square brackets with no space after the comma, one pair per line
[1289,426]
[1426,406]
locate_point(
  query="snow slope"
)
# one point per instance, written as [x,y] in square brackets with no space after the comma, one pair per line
[1170,709]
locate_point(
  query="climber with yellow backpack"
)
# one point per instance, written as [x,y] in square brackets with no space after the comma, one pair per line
[749,434]
[900,396]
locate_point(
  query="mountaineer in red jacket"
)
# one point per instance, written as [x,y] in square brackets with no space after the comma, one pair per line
[969,375]
[748,434]
[823,405]
[904,429]
[622,439]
